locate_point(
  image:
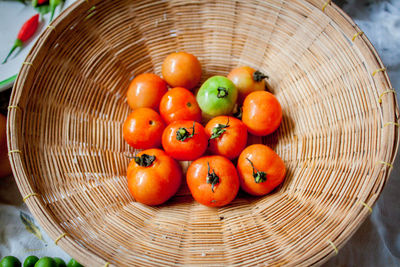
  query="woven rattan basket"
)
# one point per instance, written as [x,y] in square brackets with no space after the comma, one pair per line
[338,137]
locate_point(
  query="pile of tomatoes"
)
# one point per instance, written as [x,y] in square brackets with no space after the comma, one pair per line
[172,119]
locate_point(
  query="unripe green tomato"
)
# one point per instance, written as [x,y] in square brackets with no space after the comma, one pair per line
[217,96]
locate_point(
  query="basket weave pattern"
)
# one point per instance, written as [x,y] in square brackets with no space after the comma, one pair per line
[336,138]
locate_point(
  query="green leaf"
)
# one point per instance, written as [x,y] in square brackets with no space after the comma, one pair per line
[43,9]
[30,226]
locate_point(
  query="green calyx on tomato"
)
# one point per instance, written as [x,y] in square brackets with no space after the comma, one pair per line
[145,160]
[222,92]
[212,178]
[218,130]
[258,76]
[217,96]
[259,176]
[182,134]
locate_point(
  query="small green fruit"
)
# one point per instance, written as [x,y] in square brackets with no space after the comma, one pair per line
[10,261]
[46,262]
[30,261]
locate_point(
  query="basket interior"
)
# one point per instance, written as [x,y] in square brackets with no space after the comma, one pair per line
[330,139]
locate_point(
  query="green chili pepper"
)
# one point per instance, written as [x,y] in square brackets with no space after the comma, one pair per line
[53,5]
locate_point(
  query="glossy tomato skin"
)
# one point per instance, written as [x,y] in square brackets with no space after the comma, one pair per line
[262,113]
[232,140]
[264,160]
[181,69]
[155,184]
[247,80]
[179,104]
[143,128]
[146,90]
[189,149]
[223,192]
[217,96]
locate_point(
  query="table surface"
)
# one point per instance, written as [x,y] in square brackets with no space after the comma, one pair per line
[377,241]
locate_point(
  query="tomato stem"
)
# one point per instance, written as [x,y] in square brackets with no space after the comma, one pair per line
[182,133]
[259,176]
[258,76]
[218,130]
[144,160]
[238,113]
[212,177]
[222,92]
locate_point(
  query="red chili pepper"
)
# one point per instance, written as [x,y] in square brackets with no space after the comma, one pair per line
[26,32]
[35,3]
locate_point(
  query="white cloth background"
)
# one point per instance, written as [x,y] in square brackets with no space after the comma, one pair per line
[376,243]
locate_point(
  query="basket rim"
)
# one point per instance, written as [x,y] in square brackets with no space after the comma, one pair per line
[390,113]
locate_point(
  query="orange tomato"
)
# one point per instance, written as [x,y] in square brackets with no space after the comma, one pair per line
[146,90]
[5,168]
[247,80]
[261,113]
[260,169]
[153,177]
[184,140]
[179,104]
[143,128]
[213,181]
[227,136]
[181,70]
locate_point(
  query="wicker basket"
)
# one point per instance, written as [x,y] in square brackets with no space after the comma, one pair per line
[338,137]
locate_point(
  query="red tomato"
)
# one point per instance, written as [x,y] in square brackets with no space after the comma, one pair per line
[213,181]
[143,128]
[181,70]
[227,136]
[184,140]
[146,90]
[247,80]
[153,177]
[262,113]
[179,104]
[5,168]
[260,169]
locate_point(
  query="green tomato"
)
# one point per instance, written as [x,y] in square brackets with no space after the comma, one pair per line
[74,263]
[30,261]
[60,262]
[10,261]
[46,262]
[217,96]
